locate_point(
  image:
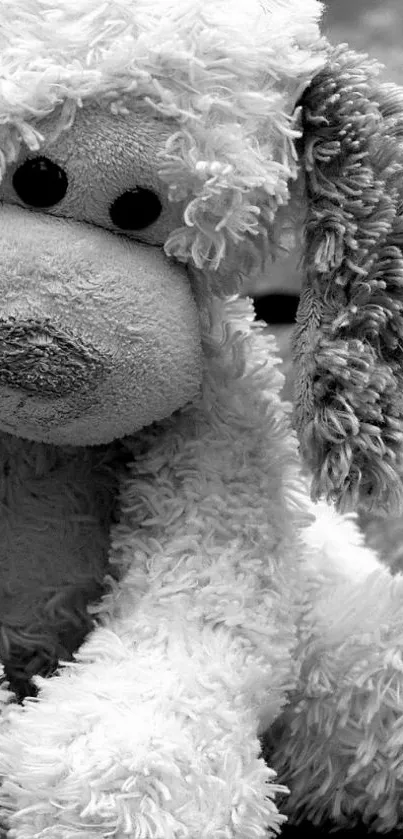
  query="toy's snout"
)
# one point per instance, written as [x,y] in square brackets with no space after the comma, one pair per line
[40,359]
[99,335]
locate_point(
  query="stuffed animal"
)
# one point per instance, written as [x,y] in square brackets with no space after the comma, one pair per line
[179,621]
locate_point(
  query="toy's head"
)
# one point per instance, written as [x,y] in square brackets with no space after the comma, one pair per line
[145,149]
[150,154]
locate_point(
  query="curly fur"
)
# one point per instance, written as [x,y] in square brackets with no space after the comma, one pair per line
[229,79]
[232,603]
[348,340]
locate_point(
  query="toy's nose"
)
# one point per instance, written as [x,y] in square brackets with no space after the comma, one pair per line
[40,359]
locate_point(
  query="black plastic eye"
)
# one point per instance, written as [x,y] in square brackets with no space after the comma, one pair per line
[40,183]
[135,209]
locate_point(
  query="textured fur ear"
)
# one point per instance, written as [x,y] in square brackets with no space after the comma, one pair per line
[348,345]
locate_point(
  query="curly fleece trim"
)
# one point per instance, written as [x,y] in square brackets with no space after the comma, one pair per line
[228,73]
[348,342]
[339,742]
[153,730]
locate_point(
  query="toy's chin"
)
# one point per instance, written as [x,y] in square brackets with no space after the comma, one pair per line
[85,420]
[92,403]
[28,415]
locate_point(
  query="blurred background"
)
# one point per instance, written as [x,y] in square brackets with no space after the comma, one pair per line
[371,26]
[375,26]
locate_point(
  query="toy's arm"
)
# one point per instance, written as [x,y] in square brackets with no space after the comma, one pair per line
[152,732]
[339,745]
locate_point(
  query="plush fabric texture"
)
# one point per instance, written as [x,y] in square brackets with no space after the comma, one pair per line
[43,601]
[116,301]
[98,162]
[243,664]
[230,80]
[347,346]
[153,730]
[185,661]
[338,742]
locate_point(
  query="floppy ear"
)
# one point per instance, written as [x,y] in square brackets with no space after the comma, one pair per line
[348,345]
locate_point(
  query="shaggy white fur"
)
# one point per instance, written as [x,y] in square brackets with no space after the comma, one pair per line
[230,76]
[153,730]
[231,610]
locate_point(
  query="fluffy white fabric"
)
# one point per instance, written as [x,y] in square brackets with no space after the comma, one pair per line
[153,730]
[226,582]
[228,73]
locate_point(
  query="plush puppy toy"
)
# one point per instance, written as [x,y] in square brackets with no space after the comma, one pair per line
[148,153]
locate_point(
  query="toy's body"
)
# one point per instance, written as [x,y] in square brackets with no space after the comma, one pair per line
[200,643]
[232,606]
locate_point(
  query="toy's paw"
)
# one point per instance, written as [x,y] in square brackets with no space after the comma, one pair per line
[126,746]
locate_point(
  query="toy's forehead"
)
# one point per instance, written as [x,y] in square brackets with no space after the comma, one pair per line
[51,50]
